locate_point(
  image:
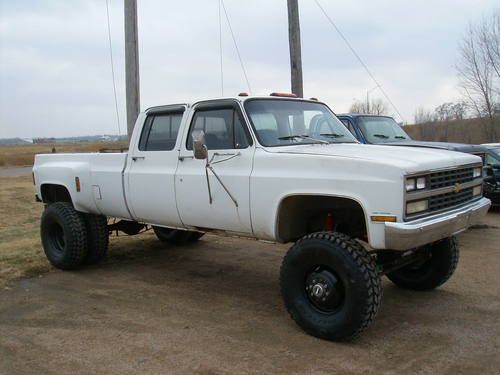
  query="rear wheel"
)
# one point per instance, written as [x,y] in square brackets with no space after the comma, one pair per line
[64,236]
[431,272]
[330,285]
[98,238]
[176,236]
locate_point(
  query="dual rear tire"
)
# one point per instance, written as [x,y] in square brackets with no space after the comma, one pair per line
[71,239]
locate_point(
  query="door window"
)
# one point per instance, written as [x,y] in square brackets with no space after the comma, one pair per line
[223,129]
[160,132]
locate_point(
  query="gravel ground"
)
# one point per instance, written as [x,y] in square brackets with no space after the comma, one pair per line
[214,308]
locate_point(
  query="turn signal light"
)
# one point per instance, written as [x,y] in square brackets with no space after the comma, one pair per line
[384,218]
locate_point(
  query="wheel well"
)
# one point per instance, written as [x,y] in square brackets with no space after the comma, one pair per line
[302,214]
[55,193]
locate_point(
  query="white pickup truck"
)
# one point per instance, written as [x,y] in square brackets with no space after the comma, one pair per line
[273,168]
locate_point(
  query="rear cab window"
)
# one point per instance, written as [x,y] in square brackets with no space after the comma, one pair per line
[160,131]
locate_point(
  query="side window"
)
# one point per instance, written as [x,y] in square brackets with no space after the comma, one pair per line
[160,132]
[222,127]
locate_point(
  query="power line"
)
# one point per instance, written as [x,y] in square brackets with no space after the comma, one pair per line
[112,68]
[236,46]
[220,51]
[358,58]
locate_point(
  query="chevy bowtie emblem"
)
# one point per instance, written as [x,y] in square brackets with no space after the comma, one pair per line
[457,188]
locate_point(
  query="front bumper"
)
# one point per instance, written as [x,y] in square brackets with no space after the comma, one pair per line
[409,235]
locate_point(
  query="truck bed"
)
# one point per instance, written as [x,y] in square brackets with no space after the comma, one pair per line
[100,176]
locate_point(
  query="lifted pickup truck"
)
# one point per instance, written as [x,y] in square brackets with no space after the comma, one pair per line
[279,169]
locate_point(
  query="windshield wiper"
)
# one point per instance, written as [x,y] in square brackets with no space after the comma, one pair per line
[381,136]
[399,137]
[304,136]
[333,135]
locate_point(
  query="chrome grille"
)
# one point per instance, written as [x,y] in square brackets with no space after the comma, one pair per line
[450,177]
[442,201]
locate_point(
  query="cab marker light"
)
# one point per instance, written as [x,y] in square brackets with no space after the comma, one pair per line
[283,94]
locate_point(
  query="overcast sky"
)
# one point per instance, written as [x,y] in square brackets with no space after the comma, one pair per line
[55,75]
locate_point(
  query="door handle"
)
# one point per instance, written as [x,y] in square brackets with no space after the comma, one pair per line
[181,158]
[135,158]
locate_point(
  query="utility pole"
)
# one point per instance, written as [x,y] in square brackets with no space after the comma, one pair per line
[131,64]
[295,52]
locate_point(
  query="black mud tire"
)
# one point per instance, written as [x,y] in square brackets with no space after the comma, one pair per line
[64,236]
[175,236]
[355,269]
[434,271]
[97,238]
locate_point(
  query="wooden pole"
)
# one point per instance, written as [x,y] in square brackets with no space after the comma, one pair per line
[131,64]
[295,52]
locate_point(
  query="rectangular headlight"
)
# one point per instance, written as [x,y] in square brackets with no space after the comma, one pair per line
[411,184]
[477,190]
[418,206]
[421,182]
[477,172]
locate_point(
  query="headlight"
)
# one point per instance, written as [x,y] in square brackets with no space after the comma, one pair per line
[477,190]
[421,183]
[477,172]
[418,206]
[416,183]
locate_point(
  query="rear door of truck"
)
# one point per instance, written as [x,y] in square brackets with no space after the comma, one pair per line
[152,166]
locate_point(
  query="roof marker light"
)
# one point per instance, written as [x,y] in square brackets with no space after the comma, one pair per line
[243,94]
[283,94]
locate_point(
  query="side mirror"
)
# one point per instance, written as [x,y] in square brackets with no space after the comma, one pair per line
[200,150]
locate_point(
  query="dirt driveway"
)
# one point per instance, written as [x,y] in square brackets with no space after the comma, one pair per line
[214,308]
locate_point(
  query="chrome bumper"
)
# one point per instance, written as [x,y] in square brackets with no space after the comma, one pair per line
[408,235]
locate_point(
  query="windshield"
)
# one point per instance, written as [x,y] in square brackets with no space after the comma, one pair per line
[495,150]
[289,122]
[381,129]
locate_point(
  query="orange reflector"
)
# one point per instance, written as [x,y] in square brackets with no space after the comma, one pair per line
[243,94]
[77,183]
[382,218]
[283,94]
[315,99]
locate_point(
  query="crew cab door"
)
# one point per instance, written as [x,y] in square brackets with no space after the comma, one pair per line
[226,206]
[152,165]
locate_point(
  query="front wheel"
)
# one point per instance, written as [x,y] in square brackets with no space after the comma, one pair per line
[330,285]
[431,272]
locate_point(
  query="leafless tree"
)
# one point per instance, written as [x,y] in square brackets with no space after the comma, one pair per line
[423,115]
[478,70]
[372,107]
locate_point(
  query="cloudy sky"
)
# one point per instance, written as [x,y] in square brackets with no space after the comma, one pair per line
[55,75]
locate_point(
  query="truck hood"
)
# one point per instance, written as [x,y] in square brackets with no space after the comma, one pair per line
[409,159]
[461,147]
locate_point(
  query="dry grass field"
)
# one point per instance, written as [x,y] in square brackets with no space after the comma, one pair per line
[24,155]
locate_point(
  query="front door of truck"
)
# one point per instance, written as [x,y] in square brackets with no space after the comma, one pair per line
[152,165]
[217,197]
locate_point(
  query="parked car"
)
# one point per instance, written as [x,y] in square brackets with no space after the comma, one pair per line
[377,129]
[262,167]
[492,160]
